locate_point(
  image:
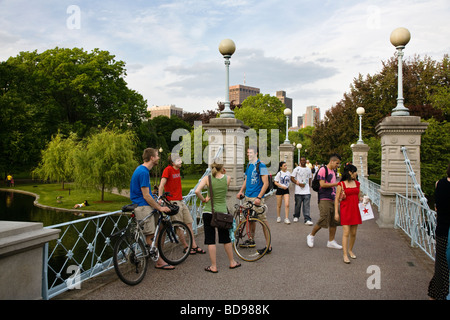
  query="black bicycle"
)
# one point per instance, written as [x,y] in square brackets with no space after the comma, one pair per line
[131,252]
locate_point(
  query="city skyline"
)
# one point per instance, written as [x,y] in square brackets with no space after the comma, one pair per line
[312,50]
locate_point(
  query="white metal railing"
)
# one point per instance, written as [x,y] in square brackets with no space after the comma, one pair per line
[368,187]
[413,215]
[418,222]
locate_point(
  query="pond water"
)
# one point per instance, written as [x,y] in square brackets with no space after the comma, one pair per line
[19,207]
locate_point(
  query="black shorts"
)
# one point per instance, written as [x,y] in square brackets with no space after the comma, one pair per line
[281,192]
[210,232]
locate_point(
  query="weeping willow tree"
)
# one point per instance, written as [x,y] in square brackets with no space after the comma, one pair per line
[105,161]
[57,160]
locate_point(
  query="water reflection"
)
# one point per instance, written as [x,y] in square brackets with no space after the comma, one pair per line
[20,207]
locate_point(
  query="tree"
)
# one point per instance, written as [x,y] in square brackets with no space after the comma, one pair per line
[262,112]
[57,161]
[105,161]
[65,90]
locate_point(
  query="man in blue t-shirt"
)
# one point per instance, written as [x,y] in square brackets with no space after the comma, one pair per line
[140,194]
[255,184]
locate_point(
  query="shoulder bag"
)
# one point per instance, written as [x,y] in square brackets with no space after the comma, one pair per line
[219,220]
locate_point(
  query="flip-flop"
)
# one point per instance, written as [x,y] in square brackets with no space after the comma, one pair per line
[165,267]
[208,269]
[236,266]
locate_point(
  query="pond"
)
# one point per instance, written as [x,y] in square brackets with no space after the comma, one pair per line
[20,207]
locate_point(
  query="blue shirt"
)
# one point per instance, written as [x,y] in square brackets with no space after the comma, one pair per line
[254,182]
[140,178]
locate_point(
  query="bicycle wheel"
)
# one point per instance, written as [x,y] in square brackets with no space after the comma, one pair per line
[252,239]
[174,242]
[130,260]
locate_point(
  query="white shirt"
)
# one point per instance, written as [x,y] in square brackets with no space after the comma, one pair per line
[302,175]
[283,178]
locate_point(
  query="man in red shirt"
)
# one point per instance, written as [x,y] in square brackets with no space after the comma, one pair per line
[171,182]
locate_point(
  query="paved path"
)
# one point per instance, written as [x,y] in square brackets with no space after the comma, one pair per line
[293,271]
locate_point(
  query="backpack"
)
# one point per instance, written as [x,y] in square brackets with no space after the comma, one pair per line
[315,185]
[269,177]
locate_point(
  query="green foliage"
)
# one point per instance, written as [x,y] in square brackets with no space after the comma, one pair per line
[61,90]
[57,159]
[434,154]
[262,112]
[105,161]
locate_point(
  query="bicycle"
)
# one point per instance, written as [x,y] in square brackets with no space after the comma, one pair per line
[252,237]
[131,252]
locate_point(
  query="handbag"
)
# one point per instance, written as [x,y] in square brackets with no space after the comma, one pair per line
[366,211]
[219,220]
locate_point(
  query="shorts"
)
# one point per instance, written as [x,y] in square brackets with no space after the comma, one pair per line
[326,208]
[281,192]
[261,216]
[210,232]
[150,224]
[183,215]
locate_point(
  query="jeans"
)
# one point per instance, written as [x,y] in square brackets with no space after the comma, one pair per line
[305,199]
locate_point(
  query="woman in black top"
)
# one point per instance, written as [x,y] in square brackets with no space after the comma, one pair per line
[439,284]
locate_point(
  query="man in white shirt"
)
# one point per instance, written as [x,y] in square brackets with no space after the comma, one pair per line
[301,177]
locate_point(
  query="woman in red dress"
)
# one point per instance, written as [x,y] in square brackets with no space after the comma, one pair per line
[348,195]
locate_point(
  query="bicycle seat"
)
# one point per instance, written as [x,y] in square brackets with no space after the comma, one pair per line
[129,207]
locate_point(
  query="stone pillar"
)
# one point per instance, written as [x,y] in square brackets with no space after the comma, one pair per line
[396,132]
[229,133]
[360,150]
[21,259]
[287,155]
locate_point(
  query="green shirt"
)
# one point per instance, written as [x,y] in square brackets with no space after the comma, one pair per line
[220,188]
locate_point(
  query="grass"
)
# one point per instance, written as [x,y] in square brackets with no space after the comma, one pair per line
[52,194]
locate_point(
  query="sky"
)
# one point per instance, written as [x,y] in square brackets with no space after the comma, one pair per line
[311,49]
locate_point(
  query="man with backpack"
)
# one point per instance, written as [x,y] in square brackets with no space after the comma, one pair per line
[256,182]
[326,194]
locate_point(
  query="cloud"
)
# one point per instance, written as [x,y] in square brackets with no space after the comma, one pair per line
[259,70]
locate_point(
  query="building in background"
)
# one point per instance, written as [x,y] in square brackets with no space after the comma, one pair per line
[287,102]
[241,92]
[312,114]
[168,111]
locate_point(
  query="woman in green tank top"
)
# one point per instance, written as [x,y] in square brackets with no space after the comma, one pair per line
[219,183]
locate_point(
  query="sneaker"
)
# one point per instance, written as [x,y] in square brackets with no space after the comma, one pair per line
[279,219]
[287,221]
[248,244]
[261,251]
[295,219]
[333,244]
[310,240]
[309,223]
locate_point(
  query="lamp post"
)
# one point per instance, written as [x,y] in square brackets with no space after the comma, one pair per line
[360,111]
[299,147]
[287,113]
[399,39]
[227,48]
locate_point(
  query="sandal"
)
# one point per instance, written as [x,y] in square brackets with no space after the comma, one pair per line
[198,250]
[208,269]
[192,251]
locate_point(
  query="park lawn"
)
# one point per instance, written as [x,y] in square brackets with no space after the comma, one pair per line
[52,194]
